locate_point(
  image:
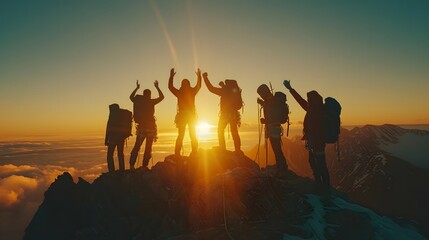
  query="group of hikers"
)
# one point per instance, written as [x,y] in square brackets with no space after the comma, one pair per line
[275,109]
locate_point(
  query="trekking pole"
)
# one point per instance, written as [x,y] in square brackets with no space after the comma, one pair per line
[271,88]
[259,135]
[266,148]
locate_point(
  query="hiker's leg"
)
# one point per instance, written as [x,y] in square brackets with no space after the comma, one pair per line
[120,149]
[221,132]
[323,169]
[193,136]
[147,151]
[277,149]
[235,136]
[314,167]
[179,141]
[110,151]
[135,152]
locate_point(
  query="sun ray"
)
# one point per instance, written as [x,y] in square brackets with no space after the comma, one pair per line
[191,30]
[166,34]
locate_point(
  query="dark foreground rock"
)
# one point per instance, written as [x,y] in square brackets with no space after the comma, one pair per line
[211,196]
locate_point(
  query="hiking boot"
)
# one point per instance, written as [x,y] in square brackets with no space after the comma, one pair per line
[281,173]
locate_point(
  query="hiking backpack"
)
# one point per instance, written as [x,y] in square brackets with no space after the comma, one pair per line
[143,109]
[233,95]
[282,108]
[121,122]
[277,110]
[331,120]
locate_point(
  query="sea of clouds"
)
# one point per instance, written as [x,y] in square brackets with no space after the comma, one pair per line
[27,168]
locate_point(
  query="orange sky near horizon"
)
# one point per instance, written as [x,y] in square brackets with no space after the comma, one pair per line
[62,64]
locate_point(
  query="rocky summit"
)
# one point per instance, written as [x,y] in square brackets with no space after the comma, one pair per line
[213,195]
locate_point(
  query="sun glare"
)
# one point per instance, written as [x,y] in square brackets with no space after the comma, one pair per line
[203,128]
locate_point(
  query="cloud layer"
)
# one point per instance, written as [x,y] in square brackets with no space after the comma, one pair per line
[12,189]
[29,167]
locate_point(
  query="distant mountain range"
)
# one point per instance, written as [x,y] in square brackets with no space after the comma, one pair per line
[383,167]
[215,195]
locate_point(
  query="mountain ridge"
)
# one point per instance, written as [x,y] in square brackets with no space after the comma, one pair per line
[370,173]
[217,195]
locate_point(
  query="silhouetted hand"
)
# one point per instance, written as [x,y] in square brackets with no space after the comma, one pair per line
[260,101]
[156,83]
[198,72]
[205,75]
[137,84]
[286,83]
[172,73]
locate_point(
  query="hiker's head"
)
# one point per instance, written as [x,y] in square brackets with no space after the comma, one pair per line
[114,107]
[231,84]
[185,84]
[314,100]
[146,93]
[264,92]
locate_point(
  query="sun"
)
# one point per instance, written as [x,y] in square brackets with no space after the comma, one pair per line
[203,128]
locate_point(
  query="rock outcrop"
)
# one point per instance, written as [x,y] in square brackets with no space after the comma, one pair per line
[215,195]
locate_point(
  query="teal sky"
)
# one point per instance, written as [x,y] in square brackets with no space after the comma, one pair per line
[63,62]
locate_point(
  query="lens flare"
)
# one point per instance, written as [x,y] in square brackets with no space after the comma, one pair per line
[203,128]
[166,34]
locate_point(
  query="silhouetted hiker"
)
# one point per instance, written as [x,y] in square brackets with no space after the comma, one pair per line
[144,110]
[273,128]
[313,132]
[118,129]
[186,112]
[230,103]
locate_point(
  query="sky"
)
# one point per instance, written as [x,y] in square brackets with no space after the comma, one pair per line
[63,62]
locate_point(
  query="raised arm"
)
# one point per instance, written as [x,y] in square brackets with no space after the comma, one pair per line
[302,102]
[171,87]
[210,87]
[133,94]
[198,85]
[161,95]
[261,102]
